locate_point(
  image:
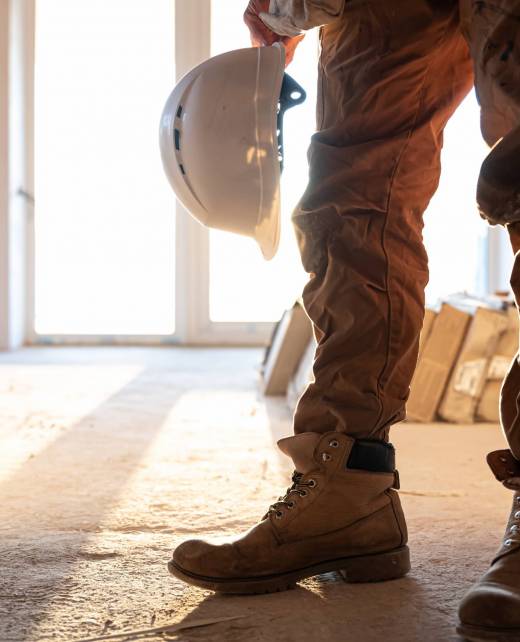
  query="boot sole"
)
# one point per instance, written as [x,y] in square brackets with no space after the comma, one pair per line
[485,634]
[377,567]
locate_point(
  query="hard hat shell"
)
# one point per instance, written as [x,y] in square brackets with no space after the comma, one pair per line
[219,146]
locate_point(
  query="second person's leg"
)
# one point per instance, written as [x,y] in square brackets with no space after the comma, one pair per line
[491,609]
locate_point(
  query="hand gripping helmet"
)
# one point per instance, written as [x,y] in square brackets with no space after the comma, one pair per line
[221,141]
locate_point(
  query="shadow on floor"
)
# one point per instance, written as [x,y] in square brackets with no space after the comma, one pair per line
[69,488]
[326,608]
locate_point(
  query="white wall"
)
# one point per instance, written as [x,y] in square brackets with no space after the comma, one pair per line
[16,81]
[4,164]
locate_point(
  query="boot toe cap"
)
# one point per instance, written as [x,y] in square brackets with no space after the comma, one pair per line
[187,555]
[491,606]
[202,558]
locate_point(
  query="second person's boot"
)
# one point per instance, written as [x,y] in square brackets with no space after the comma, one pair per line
[491,608]
[341,514]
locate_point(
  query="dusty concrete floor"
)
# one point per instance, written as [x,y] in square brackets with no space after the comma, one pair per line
[111,457]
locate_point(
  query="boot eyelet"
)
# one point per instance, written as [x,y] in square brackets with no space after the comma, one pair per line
[290,505]
[517,514]
[334,443]
[326,457]
[312,483]
[514,528]
[278,515]
[518,499]
[508,542]
[303,493]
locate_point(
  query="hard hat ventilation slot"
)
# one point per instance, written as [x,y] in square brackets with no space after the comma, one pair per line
[181,167]
[179,111]
[177,135]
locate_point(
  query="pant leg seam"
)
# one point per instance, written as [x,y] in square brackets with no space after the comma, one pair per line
[406,143]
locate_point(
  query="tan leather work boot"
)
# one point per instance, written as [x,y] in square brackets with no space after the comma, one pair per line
[340,514]
[491,608]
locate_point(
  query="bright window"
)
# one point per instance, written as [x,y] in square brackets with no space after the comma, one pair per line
[454,234]
[104,212]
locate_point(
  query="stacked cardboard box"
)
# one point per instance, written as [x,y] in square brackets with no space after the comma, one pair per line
[470,371]
[439,352]
[487,409]
[463,360]
[429,319]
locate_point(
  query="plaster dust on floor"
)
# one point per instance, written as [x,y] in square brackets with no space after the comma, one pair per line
[111,457]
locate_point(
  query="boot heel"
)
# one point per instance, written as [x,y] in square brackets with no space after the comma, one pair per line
[377,567]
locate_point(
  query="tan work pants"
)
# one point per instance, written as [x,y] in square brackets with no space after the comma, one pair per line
[391,75]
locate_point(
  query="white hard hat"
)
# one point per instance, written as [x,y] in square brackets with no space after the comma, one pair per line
[221,145]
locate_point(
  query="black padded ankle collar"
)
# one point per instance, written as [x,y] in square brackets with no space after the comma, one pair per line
[373,455]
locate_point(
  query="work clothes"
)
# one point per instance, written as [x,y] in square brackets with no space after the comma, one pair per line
[390,76]
[340,514]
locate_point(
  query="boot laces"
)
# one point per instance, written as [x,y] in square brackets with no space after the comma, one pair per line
[298,487]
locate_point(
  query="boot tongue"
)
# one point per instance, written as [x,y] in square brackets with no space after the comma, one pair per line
[300,449]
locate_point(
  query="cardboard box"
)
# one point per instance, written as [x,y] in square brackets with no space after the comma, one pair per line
[290,339]
[302,377]
[469,375]
[434,368]
[429,319]
[487,409]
